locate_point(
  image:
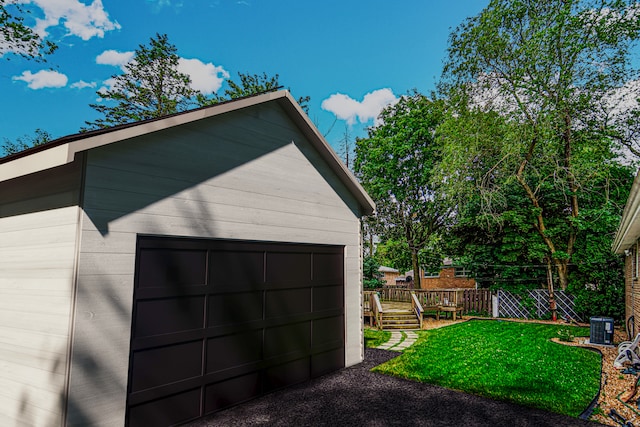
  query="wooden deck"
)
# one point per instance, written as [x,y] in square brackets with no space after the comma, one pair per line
[395,306]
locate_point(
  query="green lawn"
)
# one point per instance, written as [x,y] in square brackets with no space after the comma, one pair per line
[503,360]
[374,337]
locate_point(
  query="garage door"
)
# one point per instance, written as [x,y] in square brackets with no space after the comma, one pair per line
[216,323]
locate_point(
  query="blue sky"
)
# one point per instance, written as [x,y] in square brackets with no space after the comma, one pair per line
[351,57]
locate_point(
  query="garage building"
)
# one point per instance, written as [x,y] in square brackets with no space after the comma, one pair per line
[156,272]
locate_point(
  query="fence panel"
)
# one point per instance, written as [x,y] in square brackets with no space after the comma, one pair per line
[534,304]
[516,306]
[477,300]
[510,305]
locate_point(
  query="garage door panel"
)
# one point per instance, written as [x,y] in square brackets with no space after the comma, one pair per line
[178,314]
[293,372]
[237,270]
[167,339]
[233,350]
[171,268]
[287,302]
[285,268]
[328,298]
[234,308]
[328,267]
[231,392]
[326,330]
[327,361]
[160,366]
[288,338]
[168,411]
[245,318]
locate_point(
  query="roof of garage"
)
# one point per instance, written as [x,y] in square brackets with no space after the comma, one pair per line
[63,150]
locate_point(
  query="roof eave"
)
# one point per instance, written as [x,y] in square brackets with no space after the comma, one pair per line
[629,228]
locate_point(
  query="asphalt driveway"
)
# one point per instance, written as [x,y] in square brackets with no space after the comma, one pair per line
[356,397]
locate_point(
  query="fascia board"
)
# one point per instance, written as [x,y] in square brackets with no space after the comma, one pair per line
[42,160]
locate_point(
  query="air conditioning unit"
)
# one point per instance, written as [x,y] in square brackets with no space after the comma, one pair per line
[601,330]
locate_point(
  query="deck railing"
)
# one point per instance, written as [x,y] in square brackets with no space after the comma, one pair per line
[417,307]
[376,305]
[474,300]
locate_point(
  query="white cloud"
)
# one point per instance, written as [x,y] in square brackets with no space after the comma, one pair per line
[347,108]
[43,79]
[82,84]
[79,19]
[158,5]
[107,85]
[115,58]
[623,99]
[207,78]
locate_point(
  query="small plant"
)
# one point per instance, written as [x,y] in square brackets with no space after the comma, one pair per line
[565,335]
[597,411]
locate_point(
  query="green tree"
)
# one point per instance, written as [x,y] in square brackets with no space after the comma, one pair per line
[393,253]
[150,87]
[596,276]
[538,74]
[24,142]
[372,278]
[395,164]
[18,38]
[247,86]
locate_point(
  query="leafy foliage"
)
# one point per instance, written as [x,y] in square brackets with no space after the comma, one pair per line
[530,118]
[395,164]
[372,279]
[150,87]
[18,38]
[394,253]
[247,86]
[24,142]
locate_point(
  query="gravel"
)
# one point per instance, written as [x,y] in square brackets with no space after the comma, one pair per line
[357,397]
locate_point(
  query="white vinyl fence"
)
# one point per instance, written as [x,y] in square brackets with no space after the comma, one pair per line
[534,304]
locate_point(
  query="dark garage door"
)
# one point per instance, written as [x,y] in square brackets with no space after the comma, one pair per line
[218,322]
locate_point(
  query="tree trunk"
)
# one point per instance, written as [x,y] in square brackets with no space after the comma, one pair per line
[416,268]
[562,266]
[552,297]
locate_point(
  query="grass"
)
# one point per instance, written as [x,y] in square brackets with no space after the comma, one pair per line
[502,360]
[374,337]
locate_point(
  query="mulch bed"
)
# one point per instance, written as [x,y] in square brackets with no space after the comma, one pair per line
[613,384]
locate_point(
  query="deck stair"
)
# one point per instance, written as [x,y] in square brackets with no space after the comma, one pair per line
[398,315]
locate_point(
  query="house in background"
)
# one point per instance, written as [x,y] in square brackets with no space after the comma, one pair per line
[389,275]
[448,276]
[112,311]
[626,243]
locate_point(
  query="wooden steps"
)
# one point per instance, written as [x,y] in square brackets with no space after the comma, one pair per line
[399,316]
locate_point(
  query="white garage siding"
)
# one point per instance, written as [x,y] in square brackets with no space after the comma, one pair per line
[249,175]
[38,232]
